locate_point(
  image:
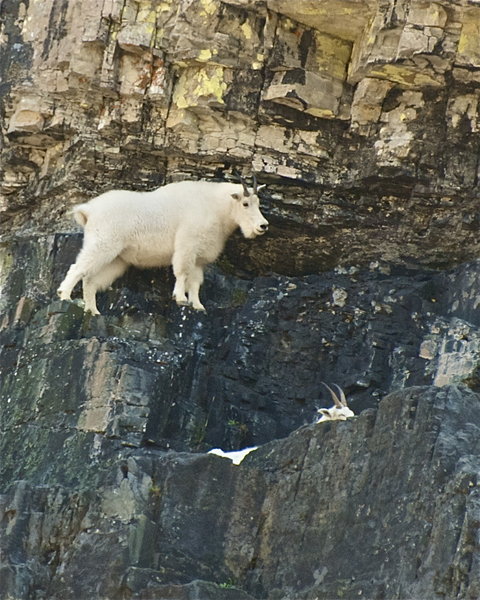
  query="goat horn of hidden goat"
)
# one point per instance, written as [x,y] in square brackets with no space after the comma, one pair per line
[335,398]
[343,400]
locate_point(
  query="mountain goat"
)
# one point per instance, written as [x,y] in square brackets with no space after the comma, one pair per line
[339,411]
[183,224]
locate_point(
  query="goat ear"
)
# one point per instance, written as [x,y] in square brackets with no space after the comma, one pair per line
[260,187]
[324,411]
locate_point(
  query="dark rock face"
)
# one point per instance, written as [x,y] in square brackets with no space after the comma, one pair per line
[101,495]
[346,496]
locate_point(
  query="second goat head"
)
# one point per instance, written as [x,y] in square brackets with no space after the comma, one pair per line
[339,411]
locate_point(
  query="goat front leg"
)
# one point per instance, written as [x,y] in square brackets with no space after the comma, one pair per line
[181,268]
[178,293]
[195,280]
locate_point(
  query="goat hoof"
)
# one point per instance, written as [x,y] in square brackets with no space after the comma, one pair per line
[63,295]
[181,301]
[199,307]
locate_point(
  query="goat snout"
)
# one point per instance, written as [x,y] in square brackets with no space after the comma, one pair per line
[262,228]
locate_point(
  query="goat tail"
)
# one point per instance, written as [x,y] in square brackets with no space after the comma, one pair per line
[80,214]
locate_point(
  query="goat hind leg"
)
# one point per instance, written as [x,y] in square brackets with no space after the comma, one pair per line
[101,281]
[72,278]
[89,296]
[90,261]
[79,269]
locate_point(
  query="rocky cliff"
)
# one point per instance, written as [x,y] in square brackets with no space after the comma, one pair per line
[362,118]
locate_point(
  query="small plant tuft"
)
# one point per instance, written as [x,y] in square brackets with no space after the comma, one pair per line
[227,585]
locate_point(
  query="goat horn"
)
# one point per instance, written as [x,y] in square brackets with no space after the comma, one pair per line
[335,398]
[245,186]
[342,395]
[242,181]
[254,183]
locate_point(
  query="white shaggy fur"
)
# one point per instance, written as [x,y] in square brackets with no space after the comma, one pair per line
[184,224]
[236,456]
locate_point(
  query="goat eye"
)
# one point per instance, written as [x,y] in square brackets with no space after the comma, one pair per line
[245,204]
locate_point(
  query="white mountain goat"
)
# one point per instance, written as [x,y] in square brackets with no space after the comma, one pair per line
[184,224]
[339,411]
